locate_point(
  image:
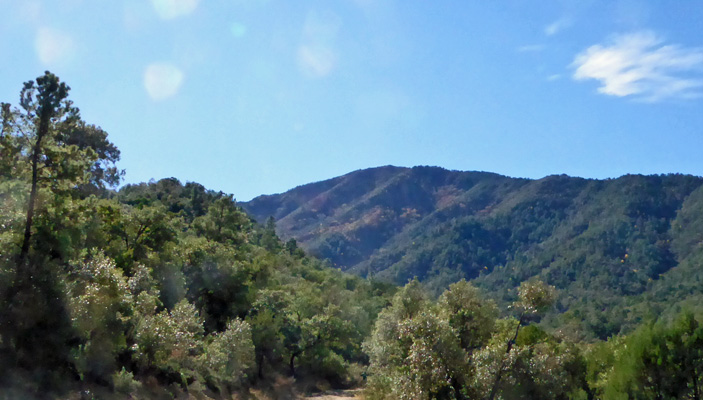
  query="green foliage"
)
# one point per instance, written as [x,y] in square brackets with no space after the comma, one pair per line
[471,316]
[135,235]
[170,340]
[124,383]
[13,197]
[229,356]
[606,245]
[600,357]
[223,223]
[535,296]
[158,282]
[170,285]
[45,145]
[414,353]
[659,362]
[536,366]
[101,307]
[456,349]
[434,365]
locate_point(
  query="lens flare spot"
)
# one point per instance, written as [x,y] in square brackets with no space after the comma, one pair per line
[170,9]
[238,30]
[316,61]
[53,47]
[162,80]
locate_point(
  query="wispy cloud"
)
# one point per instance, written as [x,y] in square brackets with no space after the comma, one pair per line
[557,26]
[162,80]
[316,61]
[170,9]
[316,54]
[531,48]
[53,47]
[640,64]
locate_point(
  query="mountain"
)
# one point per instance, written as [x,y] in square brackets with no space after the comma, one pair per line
[620,250]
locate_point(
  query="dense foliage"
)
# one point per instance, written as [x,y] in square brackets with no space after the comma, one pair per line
[458,348]
[619,250]
[155,287]
[163,290]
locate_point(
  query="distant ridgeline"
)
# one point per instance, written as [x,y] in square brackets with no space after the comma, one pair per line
[619,250]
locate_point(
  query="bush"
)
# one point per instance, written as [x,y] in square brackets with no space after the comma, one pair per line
[124,382]
[229,356]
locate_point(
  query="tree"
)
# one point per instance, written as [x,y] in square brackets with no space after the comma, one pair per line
[46,142]
[100,304]
[472,317]
[102,172]
[659,362]
[224,222]
[229,355]
[533,297]
[47,154]
[137,232]
[267,319]
[415,351]
[49,104]
[171,341]
[269,240]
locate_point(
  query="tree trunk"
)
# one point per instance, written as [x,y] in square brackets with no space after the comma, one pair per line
[499,375]
[41,132]
[292,364]
[261,367]
[696,395]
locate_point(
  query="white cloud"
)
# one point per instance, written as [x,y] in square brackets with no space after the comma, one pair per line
[53,47]
[557,26]
[552,78]
[162,80]
[639,64]
[170,9]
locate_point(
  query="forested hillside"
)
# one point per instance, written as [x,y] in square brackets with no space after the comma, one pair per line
[619,250]
[154,290]
[167,290]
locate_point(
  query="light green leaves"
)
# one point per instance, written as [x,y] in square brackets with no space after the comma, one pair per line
[535,296]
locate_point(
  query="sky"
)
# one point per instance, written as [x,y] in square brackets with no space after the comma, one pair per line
[255,97]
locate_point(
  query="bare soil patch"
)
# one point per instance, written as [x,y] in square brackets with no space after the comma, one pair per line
[336,395]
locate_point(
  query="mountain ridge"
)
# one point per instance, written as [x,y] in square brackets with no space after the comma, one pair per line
[605,241]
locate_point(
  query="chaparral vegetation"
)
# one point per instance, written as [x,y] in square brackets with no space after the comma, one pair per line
[165,289]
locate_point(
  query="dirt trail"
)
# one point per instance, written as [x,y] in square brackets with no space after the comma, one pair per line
[336,395]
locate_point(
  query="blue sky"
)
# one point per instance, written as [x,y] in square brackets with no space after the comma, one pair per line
[258,96]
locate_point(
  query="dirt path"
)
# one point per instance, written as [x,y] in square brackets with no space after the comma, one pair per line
[337,395]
